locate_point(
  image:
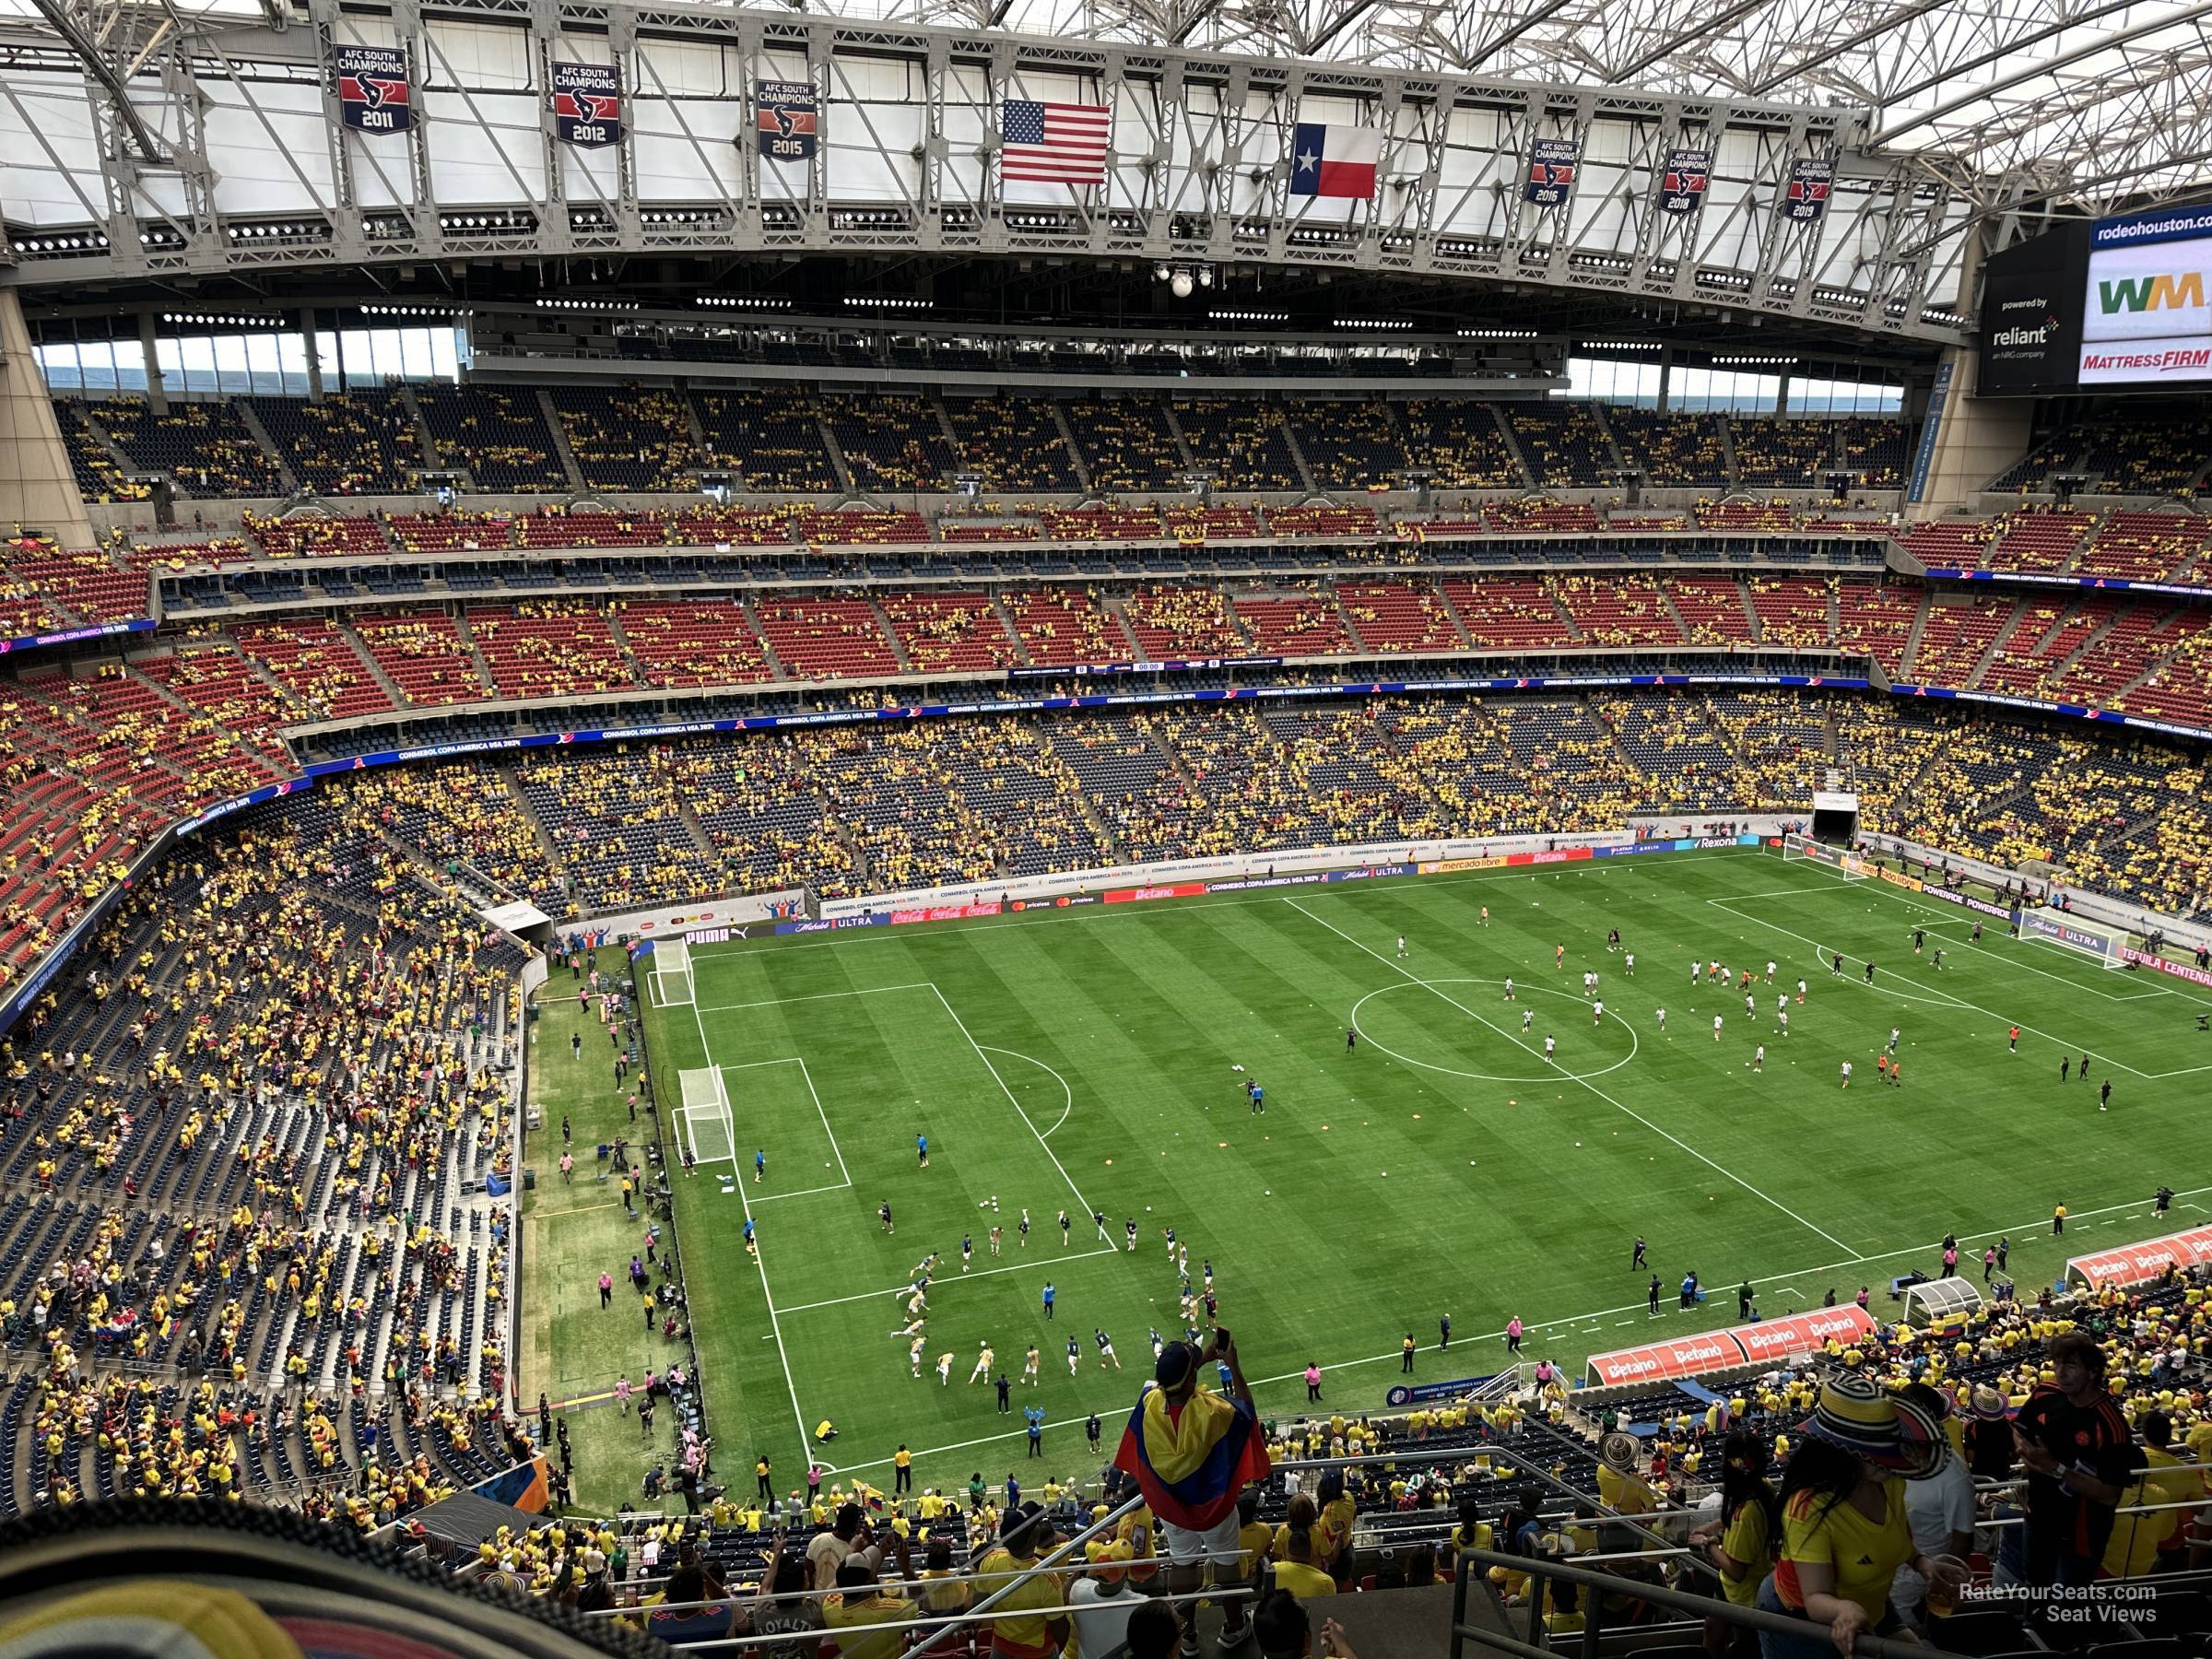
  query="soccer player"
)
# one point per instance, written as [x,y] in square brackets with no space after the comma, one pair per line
[1693,974]
[1870,973]
[1208,1267]
[998,1235]
[1065,1224]
[1024,1229]
[1758,1058]
[1769,973]
[1259,1100]
[2066,1067]
[1075,1355]
[883,1214]
[913,1354]
[1663,1019]
[1099,1217]
[1548,1045]
[2104,1094]
[1784,1017]
[1716,1027]
[2081,1067]
[1106,1351]
[945,1368]
[1835,965]
[1050,1293]
[759,1166]
[1920,937]
[1628,964]
[1131,1230]
[1897,1074]
[1750,1005]
[1486,915]
[1801,993]
[1159,1345]
[1612,940]
[1509,988]
[922,1149]
[1351,1039]
[1558,956]
[1893,1036]
[983,1364]
[1781,1006]
[1401,945]
[1637,1260]
[1847,1074]
[1939,958]
[1528,1018]
[1881,1067]
[1028,1368]
[967,1251]
[1169,1233]
[911,1326]
[1597,1012]
[2012,1040]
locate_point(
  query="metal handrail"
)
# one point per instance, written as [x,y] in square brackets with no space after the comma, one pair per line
[1541,1573]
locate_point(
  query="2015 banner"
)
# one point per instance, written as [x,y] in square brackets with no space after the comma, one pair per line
[587,105]
[788,120]
[374,93]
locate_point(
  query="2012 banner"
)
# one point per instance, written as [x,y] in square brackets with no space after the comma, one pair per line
[587,105]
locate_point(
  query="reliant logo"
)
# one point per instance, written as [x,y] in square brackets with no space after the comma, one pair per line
[2164,291]
[2021,337]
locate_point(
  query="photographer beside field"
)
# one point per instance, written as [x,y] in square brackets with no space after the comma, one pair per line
[1192,1451]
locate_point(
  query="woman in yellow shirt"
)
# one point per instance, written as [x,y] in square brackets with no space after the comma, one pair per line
[1740,1545]
[1844,1529]
[1295,1571]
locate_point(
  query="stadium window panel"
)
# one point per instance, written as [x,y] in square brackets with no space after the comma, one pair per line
[326,359]
[446,355]
[291,364]
[59,364]
[353,353]
[264,374]
[96,363]
[228,352]
[130,365]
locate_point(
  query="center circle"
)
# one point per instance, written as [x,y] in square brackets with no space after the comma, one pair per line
[1557,1070]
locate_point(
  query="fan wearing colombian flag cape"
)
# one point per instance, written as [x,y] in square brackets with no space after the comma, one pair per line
[1192,1452]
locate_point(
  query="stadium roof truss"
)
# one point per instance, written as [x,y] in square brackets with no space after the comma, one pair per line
[147,139]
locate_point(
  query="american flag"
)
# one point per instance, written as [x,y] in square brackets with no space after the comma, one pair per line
[1054,143]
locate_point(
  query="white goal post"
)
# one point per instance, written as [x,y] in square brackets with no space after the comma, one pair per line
[671,973]
[2069,932]
[709,1132]
[1849,865]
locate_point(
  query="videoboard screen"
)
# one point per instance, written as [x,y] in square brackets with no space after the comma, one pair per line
[2120,304]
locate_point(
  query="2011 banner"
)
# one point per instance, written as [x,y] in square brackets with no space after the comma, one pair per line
[587,105]
[374,93]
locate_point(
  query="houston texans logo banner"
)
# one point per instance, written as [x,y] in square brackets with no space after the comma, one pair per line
[372,89]
[1551,164]
[587,105]
[1811,179]
[1682,188]
[788,119]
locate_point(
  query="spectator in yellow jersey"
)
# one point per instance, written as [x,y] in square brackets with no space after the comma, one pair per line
[1740,1545]
[858,1610]
[1027,1632]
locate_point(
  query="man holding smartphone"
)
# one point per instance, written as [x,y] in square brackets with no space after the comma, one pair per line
[2079,1454]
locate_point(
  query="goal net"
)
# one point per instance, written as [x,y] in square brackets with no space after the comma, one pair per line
[708,1130]
[2076,933]
[1849,865]
[671,973]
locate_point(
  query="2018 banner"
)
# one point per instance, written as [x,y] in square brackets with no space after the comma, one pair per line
[788,118]
[1682,186]
[587,105]
[373,94]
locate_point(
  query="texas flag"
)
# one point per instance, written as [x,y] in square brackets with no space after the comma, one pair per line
[1334,160]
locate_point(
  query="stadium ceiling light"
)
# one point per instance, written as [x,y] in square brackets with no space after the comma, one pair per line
[1497,334]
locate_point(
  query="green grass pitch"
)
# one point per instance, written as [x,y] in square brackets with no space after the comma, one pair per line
[1090,1058]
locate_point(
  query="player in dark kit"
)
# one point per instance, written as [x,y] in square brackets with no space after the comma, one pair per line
[1637,1260]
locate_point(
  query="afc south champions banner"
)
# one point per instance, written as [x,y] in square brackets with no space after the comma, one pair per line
[587,105]
[790,120]
[1551,164]
[1682,187]
[374,95]
[1811,179]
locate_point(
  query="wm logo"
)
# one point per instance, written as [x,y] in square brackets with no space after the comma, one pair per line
[2162,292]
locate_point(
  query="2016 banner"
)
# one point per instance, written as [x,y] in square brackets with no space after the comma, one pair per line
[1682,187]
[587,105]
[1551,163]
[788,120]
[374,95]
[1811,179]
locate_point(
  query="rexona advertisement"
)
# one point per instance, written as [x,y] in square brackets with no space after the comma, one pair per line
[2144,319]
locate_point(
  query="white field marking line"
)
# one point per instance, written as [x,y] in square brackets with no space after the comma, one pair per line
[732,949]
[1946,996]
[986,1058]
[798,1417]
[1498,1335]
[1043,1261]
[1040,1065]
[807,1077]
[816,997]
[837,1186]
[1571,1076]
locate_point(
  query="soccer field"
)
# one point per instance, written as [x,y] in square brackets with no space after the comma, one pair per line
[1090,1059]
